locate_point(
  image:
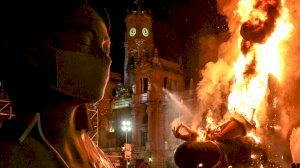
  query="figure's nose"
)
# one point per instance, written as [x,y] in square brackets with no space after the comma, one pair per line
[106,46]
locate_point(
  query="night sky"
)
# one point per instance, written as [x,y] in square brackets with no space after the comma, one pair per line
[177,24]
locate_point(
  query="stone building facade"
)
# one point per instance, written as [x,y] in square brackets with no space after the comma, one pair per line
[145,98]
[150,78]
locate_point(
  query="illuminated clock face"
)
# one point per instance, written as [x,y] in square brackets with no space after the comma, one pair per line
[132,32]
[145,32]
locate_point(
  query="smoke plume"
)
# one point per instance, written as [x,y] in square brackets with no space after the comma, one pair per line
[213,89]
[216,77]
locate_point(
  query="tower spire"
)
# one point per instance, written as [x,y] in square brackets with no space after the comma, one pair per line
[139,4]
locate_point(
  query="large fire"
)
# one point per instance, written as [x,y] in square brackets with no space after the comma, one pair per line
[265,25]
[260,29]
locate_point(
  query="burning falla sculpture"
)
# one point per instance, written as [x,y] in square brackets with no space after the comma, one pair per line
[223,147]
[262,30]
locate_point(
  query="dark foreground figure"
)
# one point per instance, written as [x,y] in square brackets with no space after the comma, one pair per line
[54,60]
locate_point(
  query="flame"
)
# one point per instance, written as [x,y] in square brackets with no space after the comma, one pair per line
[210,122]
[253,156]
[201,135]
[254,137]
[258,58]
[210,125]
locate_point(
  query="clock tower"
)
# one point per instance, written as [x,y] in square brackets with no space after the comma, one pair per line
[138,43]
[148,76]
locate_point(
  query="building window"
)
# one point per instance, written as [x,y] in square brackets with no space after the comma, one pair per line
[144,139]
[147,54]
[145,119]
[131,62]
[114,92]
[170,84]
[145,85]
[165,82]
[111,127]
[141,85]
[133,89]
[173,85]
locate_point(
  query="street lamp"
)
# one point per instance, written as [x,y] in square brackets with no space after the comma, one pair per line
[126,126]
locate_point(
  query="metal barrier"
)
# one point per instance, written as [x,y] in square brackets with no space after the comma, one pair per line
[93,113]
[5,110]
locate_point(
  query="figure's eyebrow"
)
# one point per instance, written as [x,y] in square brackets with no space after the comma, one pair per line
[78,27]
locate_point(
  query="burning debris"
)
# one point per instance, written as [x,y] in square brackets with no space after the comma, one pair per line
[262,27]
[261,22]
[224,147]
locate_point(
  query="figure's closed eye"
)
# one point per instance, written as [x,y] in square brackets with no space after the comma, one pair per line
[85,39]
[77,39]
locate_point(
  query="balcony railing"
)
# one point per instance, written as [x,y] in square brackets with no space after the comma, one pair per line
[122,103]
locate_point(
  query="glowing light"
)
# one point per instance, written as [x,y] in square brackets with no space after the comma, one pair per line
[253,156]
[254,137]
[126,126]
[210,123]
[201,135]
[261,59]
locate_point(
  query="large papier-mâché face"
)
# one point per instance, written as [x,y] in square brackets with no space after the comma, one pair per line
[82,56]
